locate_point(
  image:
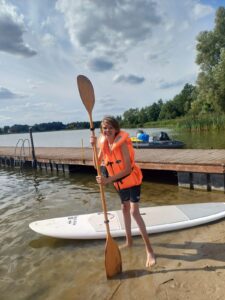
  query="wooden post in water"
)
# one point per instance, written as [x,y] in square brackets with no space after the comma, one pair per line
[34,162]
[83,155]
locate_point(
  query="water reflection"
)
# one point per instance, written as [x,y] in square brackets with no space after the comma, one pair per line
[38,195]
[201,140]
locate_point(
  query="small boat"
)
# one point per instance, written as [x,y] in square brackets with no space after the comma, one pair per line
[162,141]
[172,144]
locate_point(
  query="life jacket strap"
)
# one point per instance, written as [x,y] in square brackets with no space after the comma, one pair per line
[120,180]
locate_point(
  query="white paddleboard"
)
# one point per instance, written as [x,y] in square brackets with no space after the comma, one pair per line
[157,219]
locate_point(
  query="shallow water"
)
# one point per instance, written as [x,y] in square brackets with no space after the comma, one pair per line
[37,267]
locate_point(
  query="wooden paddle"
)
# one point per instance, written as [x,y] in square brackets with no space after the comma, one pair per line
[113,263]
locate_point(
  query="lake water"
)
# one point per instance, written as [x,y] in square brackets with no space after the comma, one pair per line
[35,267]
[77,138]
[67,138]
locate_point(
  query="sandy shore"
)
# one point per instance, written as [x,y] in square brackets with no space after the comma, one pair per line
[190,265]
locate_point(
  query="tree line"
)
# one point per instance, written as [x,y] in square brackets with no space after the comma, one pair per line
[205,98]
[51,126]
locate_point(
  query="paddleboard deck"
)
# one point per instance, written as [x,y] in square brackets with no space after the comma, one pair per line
[157,219]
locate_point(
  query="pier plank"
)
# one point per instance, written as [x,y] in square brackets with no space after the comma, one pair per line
[187,160]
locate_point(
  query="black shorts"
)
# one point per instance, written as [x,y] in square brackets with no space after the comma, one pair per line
[133,194]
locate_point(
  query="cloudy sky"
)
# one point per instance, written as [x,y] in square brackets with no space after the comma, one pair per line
[135,52]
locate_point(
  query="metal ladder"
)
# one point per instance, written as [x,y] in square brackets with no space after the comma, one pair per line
[19,159]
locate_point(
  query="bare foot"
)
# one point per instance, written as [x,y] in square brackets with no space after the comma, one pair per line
[151,260]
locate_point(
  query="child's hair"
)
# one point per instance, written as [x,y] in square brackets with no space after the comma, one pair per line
[111,121]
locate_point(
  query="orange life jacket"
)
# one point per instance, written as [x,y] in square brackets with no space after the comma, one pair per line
[114,161]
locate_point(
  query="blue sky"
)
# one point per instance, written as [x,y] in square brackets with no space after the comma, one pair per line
[135,52]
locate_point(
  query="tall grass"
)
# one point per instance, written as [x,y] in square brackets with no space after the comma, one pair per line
[172,123]
[206,122]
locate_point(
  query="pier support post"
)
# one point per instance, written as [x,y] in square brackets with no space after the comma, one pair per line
[34,162]
[217,182]
[198,181]
[201,181]
[185,179]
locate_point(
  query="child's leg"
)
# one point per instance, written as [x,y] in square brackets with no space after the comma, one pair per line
[134,210]
[125,206]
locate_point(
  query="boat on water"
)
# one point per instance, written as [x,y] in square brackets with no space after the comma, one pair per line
[163,141]
[172,144]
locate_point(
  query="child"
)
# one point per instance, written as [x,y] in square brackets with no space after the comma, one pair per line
[117,153]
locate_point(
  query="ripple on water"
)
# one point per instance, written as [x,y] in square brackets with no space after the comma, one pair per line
[37,267]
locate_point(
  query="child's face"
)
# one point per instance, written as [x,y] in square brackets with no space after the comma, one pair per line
[108,130]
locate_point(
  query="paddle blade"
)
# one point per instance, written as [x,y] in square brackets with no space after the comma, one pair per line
[113,262]
[86,91]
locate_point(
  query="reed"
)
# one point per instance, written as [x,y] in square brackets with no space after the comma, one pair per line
[172,123]
[205,122]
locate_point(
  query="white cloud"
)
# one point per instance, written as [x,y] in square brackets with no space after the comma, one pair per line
[7,94]
[100,64]
[130,79]
[134,51]
[105,26]
[12,29]
[48,40]
[201,10]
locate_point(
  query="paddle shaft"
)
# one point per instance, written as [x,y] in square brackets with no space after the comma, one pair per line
[99,174]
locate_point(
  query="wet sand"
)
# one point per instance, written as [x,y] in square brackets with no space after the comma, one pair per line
[190,265]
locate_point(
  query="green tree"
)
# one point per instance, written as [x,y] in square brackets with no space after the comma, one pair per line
[19,128]
[210,57]
[130,117]
[179,105]
[142,116]
[182,102]
[168,111]
[6,129]
[219,78]
[154,110]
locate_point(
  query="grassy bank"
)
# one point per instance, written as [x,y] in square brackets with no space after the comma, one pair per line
[163,123]
[207,122]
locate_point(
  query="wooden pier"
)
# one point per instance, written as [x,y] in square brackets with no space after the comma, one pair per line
[195,168]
